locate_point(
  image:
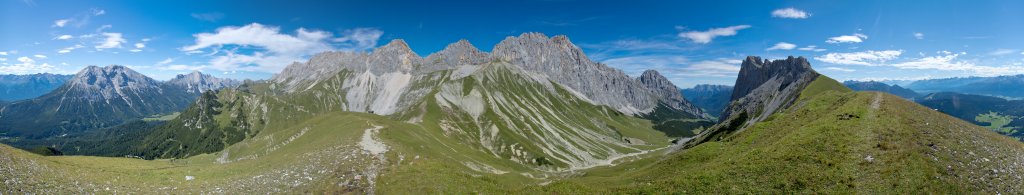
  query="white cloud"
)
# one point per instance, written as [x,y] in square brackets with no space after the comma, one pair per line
[140,45]
[96,12]
[1001,51]
[209,17]
[26,66]
[790,13]
[271,49]
[64,37]
[165,62]
[360,38]
[918,35]
[3,53]
[69,49]
[839,69]
[24,59]
[855,38]
[811,48]
[866,58]
[60,23]
[112,40]
[135,50]
[704,37]
[782,46]
[40,56]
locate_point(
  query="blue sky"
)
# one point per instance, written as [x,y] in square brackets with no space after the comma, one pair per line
[689,42]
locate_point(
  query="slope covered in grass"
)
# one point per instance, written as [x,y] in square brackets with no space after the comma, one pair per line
[832,142]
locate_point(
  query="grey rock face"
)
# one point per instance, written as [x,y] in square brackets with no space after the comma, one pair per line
[455,54]
[561,61]
[111,82]
[669,93]
[768,86]
[762,88]
[197,82]
[555,58]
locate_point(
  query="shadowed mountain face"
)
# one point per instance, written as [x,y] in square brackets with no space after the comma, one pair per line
[19,87]
[762,88]
[882,87]
[712,98]
[96,97]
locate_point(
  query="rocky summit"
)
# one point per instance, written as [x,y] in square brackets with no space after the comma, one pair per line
[763,87]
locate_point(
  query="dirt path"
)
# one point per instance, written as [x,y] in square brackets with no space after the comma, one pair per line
[877,102]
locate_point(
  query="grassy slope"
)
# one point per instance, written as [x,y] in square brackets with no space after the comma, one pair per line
[822,146]
[307,147]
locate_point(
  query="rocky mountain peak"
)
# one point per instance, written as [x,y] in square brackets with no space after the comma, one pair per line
[395,56]
[764,86]
[197,82]
[109,82]
[754,72]
[459,53]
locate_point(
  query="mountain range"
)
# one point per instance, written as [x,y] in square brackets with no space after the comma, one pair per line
[711,98]
[882,87]
[533,116]
[101,97]
[19,87]
[999,86]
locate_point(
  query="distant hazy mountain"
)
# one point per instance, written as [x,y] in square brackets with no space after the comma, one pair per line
[882,87]
[712,98]
[100,97]
[19,87]
[1003,116]
[1003,86]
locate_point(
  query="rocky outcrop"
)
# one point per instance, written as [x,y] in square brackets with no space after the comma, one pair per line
[455,54]
[564,63]
[396,67]
[668,92]
[763,87]
[197,82]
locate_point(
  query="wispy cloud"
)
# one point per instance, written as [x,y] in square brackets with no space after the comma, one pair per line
[790,13]
[866,58]
[112,40]
[209,17]
[811,48]
[839,69]
[359,38]
[782,46]
[273,49]
[705,37]
[855,38]
[69,49]
[1002,51]
[64,37]
[918,35]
